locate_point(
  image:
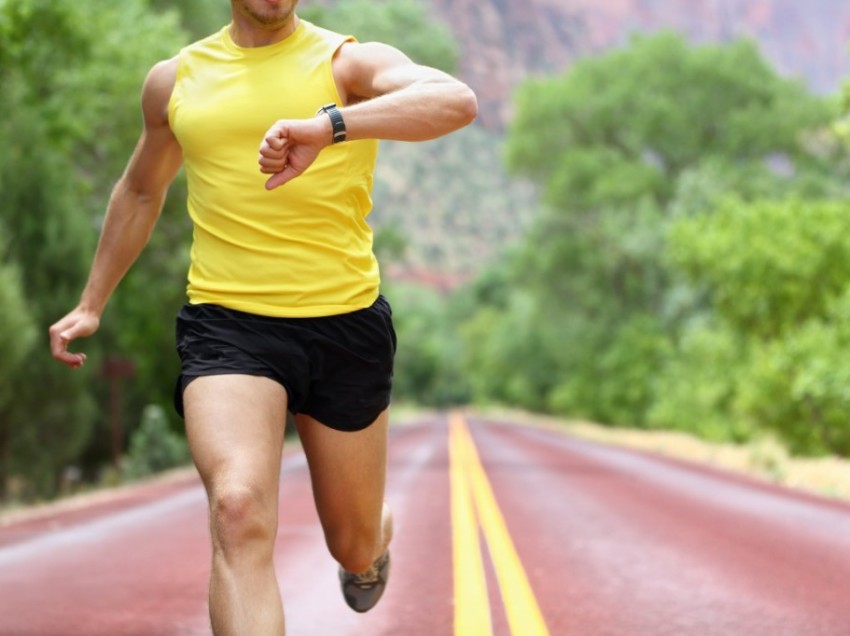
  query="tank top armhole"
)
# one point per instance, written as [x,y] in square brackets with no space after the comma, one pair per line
[174,98]
[328,64]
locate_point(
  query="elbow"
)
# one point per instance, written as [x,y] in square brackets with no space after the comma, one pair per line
[467,105]
[130,199]
[140,193]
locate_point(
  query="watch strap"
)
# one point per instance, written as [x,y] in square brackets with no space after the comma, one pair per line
[337,122]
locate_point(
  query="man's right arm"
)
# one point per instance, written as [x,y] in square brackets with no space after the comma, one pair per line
[133,210]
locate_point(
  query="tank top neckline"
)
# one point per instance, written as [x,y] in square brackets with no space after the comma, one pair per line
[263,51]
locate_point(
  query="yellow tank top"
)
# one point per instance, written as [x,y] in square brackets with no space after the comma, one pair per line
[303,249]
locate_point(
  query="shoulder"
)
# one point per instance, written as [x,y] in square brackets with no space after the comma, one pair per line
[367,70]
[158,86]
[163,74]
[353,55]
[356,65]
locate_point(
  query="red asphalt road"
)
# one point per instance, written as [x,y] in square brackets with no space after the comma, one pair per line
[613,542]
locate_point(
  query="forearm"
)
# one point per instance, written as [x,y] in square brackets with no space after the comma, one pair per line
[130,219]
[424,110]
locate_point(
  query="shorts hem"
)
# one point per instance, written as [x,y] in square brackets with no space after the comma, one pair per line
[185,379]
[347,425]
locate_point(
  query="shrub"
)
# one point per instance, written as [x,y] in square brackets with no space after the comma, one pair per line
[154,447]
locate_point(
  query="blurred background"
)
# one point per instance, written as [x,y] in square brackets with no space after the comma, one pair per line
[647,227]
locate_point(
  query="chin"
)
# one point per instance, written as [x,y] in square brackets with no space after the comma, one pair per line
[268,13]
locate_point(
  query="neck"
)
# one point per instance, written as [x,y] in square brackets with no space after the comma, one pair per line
[249,34]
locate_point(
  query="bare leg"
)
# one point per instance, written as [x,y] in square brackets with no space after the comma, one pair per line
[348,472]
[235,426]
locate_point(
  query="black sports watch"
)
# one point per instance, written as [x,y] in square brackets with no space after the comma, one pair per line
[336,121]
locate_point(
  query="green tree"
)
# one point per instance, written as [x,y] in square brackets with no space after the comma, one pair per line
[17,333]
[696,389]
[622,145]
[798,385]
[767,266]
[70,121]
[625,125]
[775,276]
[427,363]
[154,447]
[17,340]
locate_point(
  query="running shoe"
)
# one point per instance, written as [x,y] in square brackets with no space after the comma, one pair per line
[363,591]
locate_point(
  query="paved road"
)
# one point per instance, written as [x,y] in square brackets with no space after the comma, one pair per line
[500,530]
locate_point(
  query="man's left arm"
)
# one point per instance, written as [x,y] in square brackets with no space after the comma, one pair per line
[385,96]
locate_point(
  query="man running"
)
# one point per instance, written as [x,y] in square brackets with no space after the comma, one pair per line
[276,122]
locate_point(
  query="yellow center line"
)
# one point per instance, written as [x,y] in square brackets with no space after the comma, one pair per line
[472,606]
[521,608]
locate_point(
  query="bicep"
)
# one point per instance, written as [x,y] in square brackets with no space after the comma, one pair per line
[369,70]
[154,163]
[157,155]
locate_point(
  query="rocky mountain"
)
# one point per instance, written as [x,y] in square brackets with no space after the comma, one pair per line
[505,41]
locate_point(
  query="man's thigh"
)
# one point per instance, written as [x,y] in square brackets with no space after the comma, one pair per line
[235,426]
[348,471]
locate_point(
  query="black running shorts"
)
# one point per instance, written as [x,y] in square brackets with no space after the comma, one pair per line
[337,369]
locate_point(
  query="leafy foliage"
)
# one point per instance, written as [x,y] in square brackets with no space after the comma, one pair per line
[17,334]
[625,125]
[497,341]
[799,384]
[680,250]
[697,387]
[154,447]
[69,123]
[776,274]
[768,266]
[427,364]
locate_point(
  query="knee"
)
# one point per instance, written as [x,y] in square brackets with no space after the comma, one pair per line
[240,519]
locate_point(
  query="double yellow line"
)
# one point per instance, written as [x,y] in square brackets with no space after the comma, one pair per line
[471,493]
